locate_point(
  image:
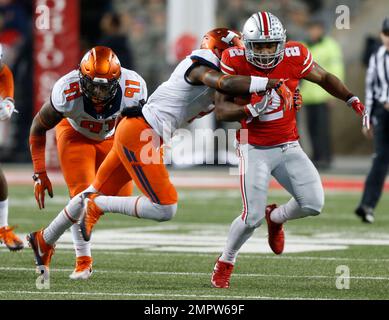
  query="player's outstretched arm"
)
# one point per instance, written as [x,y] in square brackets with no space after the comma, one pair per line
[46,119]
[336,88]
[230,84]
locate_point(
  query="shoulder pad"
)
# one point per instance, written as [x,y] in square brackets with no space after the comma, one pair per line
[206,57]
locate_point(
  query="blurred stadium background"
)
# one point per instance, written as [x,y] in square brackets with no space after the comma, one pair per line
[150,36]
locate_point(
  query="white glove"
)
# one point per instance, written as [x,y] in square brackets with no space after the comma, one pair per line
[256,109]
[7,107]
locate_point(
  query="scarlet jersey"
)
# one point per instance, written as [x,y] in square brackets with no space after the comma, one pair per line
[278,126]
[68,100]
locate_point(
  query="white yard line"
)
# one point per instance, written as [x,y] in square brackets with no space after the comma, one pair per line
[205,274]
[241,256]
[157,295]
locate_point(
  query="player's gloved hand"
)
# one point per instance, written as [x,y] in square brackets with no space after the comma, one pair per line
[134,111]
[360,109]
[257,105]
[7,107]
[356,104]
[297,100]
[42,183]
[284,92]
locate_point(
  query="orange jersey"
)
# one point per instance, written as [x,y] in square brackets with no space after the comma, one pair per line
[278,126]
[6,82]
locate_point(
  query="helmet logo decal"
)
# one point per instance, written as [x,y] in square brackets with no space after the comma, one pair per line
[231,35]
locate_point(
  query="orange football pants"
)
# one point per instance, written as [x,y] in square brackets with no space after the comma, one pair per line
[131,152]
[80,158]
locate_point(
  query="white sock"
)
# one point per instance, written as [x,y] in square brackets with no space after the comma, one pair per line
[82,247]
[239,233]
[4,213]
[123,205]
[64,220]
[140,207]
[289,211]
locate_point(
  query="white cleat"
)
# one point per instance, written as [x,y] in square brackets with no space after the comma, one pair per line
[83,269]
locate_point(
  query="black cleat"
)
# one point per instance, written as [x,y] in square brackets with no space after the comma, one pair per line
[365,213]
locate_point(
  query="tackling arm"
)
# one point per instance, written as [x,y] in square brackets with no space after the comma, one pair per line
[230,84]
[46,119]
[226,110]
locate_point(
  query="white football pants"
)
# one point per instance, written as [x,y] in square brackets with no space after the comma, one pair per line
[290,166]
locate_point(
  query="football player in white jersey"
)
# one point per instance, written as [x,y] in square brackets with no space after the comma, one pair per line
[83,108]
[187,94]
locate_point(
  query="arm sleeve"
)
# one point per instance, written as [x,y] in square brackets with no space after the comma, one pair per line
[205,57]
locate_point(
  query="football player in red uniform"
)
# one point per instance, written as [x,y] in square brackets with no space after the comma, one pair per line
[272,148]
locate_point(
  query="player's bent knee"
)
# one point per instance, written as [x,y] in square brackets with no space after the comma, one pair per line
[311,211]
[166,212]
[314,205]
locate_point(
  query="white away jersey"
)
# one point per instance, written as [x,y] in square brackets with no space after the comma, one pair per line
[177,102]
[67,99]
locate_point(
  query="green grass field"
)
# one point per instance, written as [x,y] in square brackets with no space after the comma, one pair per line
[135,259]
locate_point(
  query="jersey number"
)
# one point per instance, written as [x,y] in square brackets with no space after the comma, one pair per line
[73,92]
[132,87]
[292,52]
[96,127]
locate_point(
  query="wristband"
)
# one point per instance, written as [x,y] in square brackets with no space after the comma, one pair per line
[258,84]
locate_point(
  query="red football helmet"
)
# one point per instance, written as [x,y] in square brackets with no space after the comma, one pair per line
[220,39]
[100,73]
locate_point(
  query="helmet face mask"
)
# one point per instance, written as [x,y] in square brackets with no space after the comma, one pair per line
[264,30]
[100,73]
[264,60]
[100,93]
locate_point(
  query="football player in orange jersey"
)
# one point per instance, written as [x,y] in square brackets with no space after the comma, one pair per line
[175,103]
[7,107]
[272,147]
[83,108]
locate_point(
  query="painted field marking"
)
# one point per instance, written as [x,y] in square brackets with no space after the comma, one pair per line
[155,295]
[202,274]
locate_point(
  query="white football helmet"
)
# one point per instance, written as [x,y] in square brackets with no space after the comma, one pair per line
[264,27]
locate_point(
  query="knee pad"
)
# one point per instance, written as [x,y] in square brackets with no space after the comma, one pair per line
[166,212]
